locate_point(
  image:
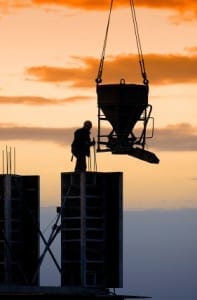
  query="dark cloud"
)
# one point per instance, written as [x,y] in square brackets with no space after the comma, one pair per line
[179,137]
[57,135]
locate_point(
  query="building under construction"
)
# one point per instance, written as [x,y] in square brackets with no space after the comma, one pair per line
[90,217]
[90,221]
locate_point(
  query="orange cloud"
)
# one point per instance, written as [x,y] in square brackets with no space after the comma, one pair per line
[160,69]
[178,137]
[192,50]
[7,6]
[186,8]
[182,6]
[29,100]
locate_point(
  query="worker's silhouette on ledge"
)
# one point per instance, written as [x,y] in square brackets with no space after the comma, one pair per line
[81,144]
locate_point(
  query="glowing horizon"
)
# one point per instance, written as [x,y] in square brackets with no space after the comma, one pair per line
[49,61]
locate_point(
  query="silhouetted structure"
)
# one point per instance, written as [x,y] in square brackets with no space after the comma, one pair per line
[91,229]
[19,224]
[125,107]
[91,236]
[91,203]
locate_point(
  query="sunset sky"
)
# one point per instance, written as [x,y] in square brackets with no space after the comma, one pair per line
[50,54]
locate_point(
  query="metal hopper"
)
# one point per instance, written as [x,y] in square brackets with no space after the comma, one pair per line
[123,106]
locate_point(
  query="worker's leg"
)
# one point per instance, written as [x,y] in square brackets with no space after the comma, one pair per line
[80,163]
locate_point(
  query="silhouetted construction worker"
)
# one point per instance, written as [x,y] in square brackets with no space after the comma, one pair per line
[81,144]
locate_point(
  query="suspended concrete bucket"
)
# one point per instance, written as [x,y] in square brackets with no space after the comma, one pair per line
[122,104]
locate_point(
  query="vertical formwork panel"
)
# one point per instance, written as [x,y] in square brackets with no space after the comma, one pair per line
[70,229]
[91,231]
[31,224]
[19,246]
[112,186]
[2,231]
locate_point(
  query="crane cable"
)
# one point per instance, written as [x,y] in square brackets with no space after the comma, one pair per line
[100,71]
[139,48]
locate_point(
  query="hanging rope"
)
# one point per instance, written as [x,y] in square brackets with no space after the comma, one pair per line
[139,48]
[141,59]
[100,71]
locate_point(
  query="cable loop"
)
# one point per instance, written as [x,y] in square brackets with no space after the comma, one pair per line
[122,81]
